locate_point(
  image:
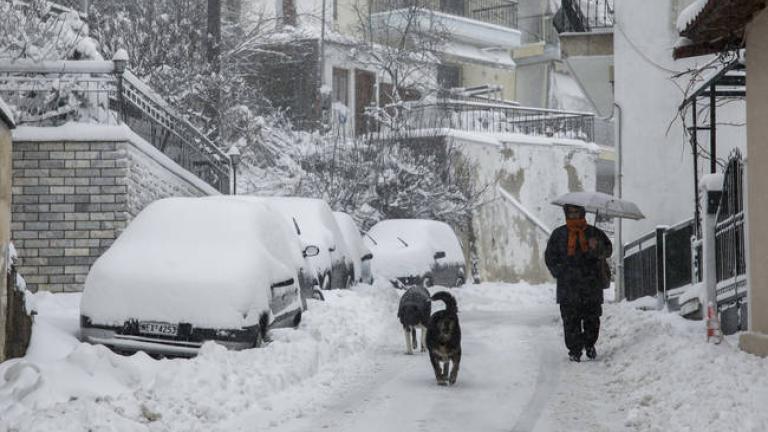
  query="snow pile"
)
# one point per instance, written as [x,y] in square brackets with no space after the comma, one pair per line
[67,386]
[406,247]
[192,260]
[663,376]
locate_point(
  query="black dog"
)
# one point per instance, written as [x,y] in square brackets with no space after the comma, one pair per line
[444,340]
[414,310]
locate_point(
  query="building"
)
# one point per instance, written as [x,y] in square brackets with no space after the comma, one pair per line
[6,124]
[484,86]
[713,27]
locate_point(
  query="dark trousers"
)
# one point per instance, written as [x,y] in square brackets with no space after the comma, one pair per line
[581,324]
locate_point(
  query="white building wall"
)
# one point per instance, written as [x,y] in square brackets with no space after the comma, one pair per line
[657,161]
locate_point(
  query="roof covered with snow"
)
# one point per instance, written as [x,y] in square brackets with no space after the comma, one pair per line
[712,26]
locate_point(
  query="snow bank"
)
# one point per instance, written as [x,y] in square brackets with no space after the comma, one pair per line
[663,376]
[192,260]
[77,387]
[498,296]
[403,247]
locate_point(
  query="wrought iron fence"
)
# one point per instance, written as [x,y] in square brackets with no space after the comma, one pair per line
[662,261]
[53,93]
[584,16]
[498,12]
[730,257]
[489,117]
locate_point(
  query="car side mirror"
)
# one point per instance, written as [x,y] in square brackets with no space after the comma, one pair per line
[311,251]
[366,257]
[439,255]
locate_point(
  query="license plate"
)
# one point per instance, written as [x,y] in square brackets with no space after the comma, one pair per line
[158,328]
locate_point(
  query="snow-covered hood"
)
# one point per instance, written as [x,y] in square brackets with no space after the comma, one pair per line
[187,260]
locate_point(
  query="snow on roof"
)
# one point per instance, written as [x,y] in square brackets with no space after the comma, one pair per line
[6,114]
[689,14]
[200,261]
[403,247]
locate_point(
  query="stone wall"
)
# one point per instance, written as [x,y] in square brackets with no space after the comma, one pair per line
[71,199]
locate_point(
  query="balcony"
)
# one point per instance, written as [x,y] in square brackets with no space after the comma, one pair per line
[481,23]
[585,16]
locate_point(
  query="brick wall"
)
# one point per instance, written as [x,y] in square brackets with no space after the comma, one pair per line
[72,199]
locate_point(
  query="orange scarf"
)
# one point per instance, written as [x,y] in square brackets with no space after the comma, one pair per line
[576,227]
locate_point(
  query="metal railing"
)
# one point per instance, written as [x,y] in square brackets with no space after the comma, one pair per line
[498,12]
[584,16]
[53,93]
[661,261]
[730,256]
[488,117]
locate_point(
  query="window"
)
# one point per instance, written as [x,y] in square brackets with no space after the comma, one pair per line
[341,86]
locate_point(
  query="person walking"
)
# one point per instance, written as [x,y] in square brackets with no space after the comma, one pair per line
[576,256]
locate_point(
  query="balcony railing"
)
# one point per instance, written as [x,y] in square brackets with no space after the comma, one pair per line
[585,16]
[53,93]
[489,117]
[499,12]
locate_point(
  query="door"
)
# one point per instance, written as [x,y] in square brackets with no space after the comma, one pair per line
[364,97]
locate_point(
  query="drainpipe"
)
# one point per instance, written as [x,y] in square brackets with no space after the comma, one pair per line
[619,283]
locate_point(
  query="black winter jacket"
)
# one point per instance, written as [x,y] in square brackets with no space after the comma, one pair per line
[578,276]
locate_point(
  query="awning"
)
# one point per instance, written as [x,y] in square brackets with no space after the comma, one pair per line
[727,81]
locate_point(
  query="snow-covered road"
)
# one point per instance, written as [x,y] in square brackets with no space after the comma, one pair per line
[345,369]
[499,383]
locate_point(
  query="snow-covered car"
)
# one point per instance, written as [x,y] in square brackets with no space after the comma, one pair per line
[308,281]
[361,255]
[416,252]
[189,270]
[314,222]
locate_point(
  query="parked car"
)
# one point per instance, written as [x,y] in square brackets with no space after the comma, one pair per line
[314,223]
[361,254]
[190,270]
[308,281]
[416,252]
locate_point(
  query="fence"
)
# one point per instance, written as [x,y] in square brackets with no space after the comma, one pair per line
[730,257]
[661,261]
[584,16]
[498,12]
[489,117]
[53,93]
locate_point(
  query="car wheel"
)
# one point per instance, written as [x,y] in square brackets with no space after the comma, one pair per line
[427,282]
[297,319]
[459,281]
[317,294]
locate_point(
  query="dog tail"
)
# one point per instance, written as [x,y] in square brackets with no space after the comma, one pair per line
[448,299]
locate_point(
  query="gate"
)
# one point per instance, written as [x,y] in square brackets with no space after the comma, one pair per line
[731,288]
